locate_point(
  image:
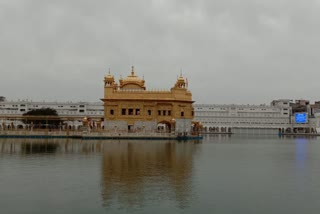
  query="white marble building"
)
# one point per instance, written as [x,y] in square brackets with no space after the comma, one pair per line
[72,111]
[214,118]
[235,118]
[76,109]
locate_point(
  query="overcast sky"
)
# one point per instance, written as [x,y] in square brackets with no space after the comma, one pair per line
[231,51]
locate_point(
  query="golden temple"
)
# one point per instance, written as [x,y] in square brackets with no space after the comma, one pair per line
[129,106]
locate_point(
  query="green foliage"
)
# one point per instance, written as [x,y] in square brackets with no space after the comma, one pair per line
[42,118]
[42,112]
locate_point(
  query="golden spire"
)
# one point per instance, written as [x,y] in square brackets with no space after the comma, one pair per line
[109,74]
[132,71]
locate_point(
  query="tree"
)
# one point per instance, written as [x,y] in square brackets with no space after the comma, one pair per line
[42,118]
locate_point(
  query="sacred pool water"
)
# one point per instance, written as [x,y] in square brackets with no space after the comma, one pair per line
[220,174]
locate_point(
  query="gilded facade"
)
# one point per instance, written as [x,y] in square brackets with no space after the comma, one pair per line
[129,106]
[127,169]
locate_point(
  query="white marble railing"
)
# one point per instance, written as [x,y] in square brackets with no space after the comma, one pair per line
[83,133]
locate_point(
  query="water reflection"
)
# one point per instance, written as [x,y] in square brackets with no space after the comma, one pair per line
[132,172]
[50,146]
[221,138]
[38,148]
[301,152]
[137,171]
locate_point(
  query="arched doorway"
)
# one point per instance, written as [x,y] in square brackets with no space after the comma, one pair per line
[164,127]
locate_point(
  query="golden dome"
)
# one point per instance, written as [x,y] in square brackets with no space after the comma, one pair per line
[132,82]
[109,80]
[109,77]
[181,79]
[181,83]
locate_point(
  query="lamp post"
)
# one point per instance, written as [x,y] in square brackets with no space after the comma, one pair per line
[199,129]
[173,125]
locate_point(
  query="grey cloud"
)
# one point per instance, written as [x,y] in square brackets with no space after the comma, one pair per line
[231,51]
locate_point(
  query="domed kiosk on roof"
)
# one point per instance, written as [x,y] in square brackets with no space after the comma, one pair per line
[129,107]
[109,81]
[132,82]
[181,83]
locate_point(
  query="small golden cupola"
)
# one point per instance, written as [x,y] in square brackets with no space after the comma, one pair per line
[132,82]
[109,81]
[181,83]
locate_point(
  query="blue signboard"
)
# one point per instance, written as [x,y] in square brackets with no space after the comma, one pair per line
[301,117]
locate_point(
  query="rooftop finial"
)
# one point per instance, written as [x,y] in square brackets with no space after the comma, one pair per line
[132,70]
[180,72]
[109,70]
